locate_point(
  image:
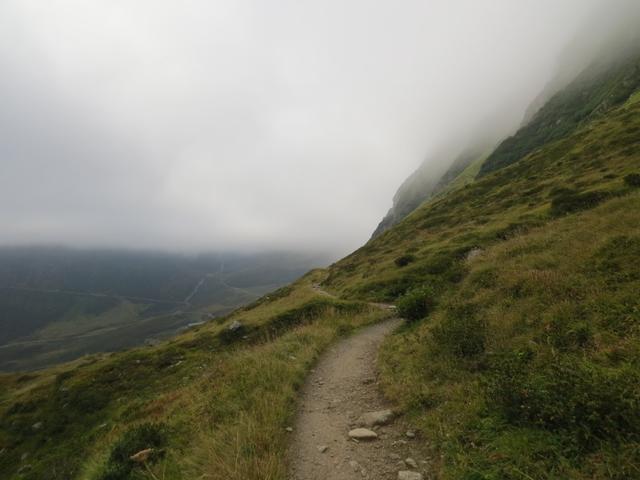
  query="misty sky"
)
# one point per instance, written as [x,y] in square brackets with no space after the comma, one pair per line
[250,123]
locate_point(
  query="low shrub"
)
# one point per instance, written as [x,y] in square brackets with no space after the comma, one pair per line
[119,465]
[566,334]
[568,201]
[632,180]
[417,303]
[566,394]
[404,260]
[461,332]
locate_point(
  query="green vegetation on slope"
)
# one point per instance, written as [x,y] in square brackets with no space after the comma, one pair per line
[526,363]
[428,181]
[212,400]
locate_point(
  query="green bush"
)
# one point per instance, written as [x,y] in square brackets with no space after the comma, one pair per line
[566,394]
[569,201]
[567,334]
[632,180]
[417,303]
[148,435]
[404,260]
[460,332]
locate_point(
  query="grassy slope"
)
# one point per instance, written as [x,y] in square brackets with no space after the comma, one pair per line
[465,177]
[212,402]
[529,365]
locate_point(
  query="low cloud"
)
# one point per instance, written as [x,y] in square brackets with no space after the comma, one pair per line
[245,124]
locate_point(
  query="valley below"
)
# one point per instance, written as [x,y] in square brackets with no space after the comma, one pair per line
[50,312]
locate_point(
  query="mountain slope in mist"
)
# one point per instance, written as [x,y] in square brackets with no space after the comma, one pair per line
[599,88]
[426,182]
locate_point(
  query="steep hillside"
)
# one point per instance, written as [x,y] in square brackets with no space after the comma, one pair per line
[520,359]
[523,358]
[599,88]
[426,182]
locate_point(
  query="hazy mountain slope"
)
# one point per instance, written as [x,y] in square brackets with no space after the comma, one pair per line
[427,181]
[413,191]
[599,88]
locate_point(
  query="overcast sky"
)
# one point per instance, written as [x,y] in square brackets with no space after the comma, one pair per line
[201,125]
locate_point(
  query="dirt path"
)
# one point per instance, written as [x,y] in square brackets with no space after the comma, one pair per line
[342,387]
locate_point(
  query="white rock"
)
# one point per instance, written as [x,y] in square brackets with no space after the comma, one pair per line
[289,429]
[235,326]
[409,475]
[411,462]
[322,448]
[363,434]
[372,419]
[410,434]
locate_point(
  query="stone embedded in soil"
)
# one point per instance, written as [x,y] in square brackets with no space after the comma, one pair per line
[409,475]
[235,326]
[371,419]
[412,463]
[363,434]
[410,434]
[142,456]
[322,448]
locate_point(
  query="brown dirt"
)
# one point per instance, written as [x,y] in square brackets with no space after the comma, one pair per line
[342,387]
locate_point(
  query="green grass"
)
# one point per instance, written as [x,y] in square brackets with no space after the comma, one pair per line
[551,386]
[223,400]
[467,176]
[528,365]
